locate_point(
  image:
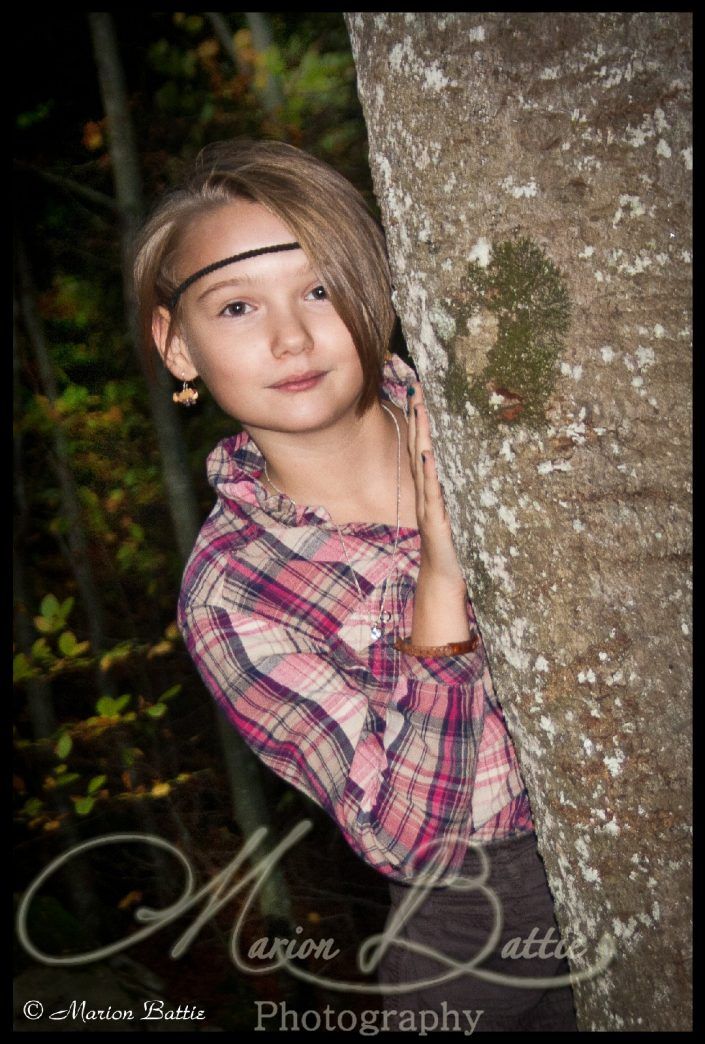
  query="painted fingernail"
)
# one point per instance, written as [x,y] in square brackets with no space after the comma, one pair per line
[410,390]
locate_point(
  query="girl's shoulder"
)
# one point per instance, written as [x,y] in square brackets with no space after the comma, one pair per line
[233,465]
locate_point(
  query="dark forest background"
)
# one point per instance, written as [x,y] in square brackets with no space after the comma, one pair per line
[114,731]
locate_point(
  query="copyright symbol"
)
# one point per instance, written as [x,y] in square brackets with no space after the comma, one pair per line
[33,1010]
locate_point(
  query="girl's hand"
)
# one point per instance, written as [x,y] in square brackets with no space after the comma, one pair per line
[439,562]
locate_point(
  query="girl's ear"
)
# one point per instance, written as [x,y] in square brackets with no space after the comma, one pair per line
[174,352]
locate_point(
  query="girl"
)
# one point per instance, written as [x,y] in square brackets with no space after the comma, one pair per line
[323,603]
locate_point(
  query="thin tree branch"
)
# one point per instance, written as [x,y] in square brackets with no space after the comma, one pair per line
[225,38]
[69,185]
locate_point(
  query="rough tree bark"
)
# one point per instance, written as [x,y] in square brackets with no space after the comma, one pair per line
[534,178]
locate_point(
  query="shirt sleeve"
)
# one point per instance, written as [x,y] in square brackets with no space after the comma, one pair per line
[390,757]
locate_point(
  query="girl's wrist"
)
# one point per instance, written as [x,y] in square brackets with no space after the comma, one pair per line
[451,584]
[440,613]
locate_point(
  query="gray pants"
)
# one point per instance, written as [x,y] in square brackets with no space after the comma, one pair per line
[458,924]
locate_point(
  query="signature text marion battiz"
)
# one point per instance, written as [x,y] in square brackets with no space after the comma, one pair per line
[279,952]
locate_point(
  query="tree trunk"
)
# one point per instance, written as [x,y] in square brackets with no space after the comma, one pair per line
[128,188]
[269,89]
[225,39]
[249,804]
[39,699]
[76,541]
[534,177]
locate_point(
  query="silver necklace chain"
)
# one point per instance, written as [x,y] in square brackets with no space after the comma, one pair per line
[383,617]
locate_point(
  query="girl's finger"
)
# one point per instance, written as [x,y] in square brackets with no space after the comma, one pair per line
[411,428]
[433,494]
[427,486]
[423,429]
[416,422]
[417,468]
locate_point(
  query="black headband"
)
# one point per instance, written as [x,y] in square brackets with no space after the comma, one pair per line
[226,261]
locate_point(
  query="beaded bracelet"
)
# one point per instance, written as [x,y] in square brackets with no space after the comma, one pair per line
[452,649]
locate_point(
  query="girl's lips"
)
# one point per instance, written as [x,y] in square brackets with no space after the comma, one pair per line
[300,383]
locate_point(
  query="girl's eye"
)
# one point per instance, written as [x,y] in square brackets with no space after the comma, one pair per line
[235,308]
[319,293]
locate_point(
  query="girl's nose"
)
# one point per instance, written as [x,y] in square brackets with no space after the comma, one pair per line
[289,333]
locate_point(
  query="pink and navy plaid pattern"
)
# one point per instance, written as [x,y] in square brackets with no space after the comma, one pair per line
[400,751]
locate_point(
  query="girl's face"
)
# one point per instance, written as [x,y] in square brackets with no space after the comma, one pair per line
[261,333]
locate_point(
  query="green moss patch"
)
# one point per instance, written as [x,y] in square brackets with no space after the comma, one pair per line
[529,297]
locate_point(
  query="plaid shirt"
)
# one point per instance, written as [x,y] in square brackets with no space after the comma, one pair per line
[400,751]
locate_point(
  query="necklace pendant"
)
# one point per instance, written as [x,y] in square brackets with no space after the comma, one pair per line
[376,632]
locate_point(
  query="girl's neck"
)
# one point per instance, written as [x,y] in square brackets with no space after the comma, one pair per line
[351,469]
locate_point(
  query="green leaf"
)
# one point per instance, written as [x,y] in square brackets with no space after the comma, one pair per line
[68,777]
[64,745]
[136,532]
[52,614]
[21,668]
[189,64]
[96,783]
[207,112]
[167,97]
[36,115]
[84,805]
[67,643]
[31,807]
[49,605]
[41,650]
[157,710]
[59,526]
[46,626]
[60,769]
[117,653]
[170,693]
[74,399]
[109,707]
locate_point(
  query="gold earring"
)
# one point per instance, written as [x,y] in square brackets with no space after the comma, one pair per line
[188,396]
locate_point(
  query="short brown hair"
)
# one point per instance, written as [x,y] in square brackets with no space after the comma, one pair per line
[325,212]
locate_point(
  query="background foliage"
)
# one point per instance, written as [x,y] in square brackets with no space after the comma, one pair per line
[122,737]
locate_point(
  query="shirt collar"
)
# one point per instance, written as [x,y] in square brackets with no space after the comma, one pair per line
[236,464]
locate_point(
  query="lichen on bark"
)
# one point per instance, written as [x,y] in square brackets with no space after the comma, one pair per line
[525,294]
